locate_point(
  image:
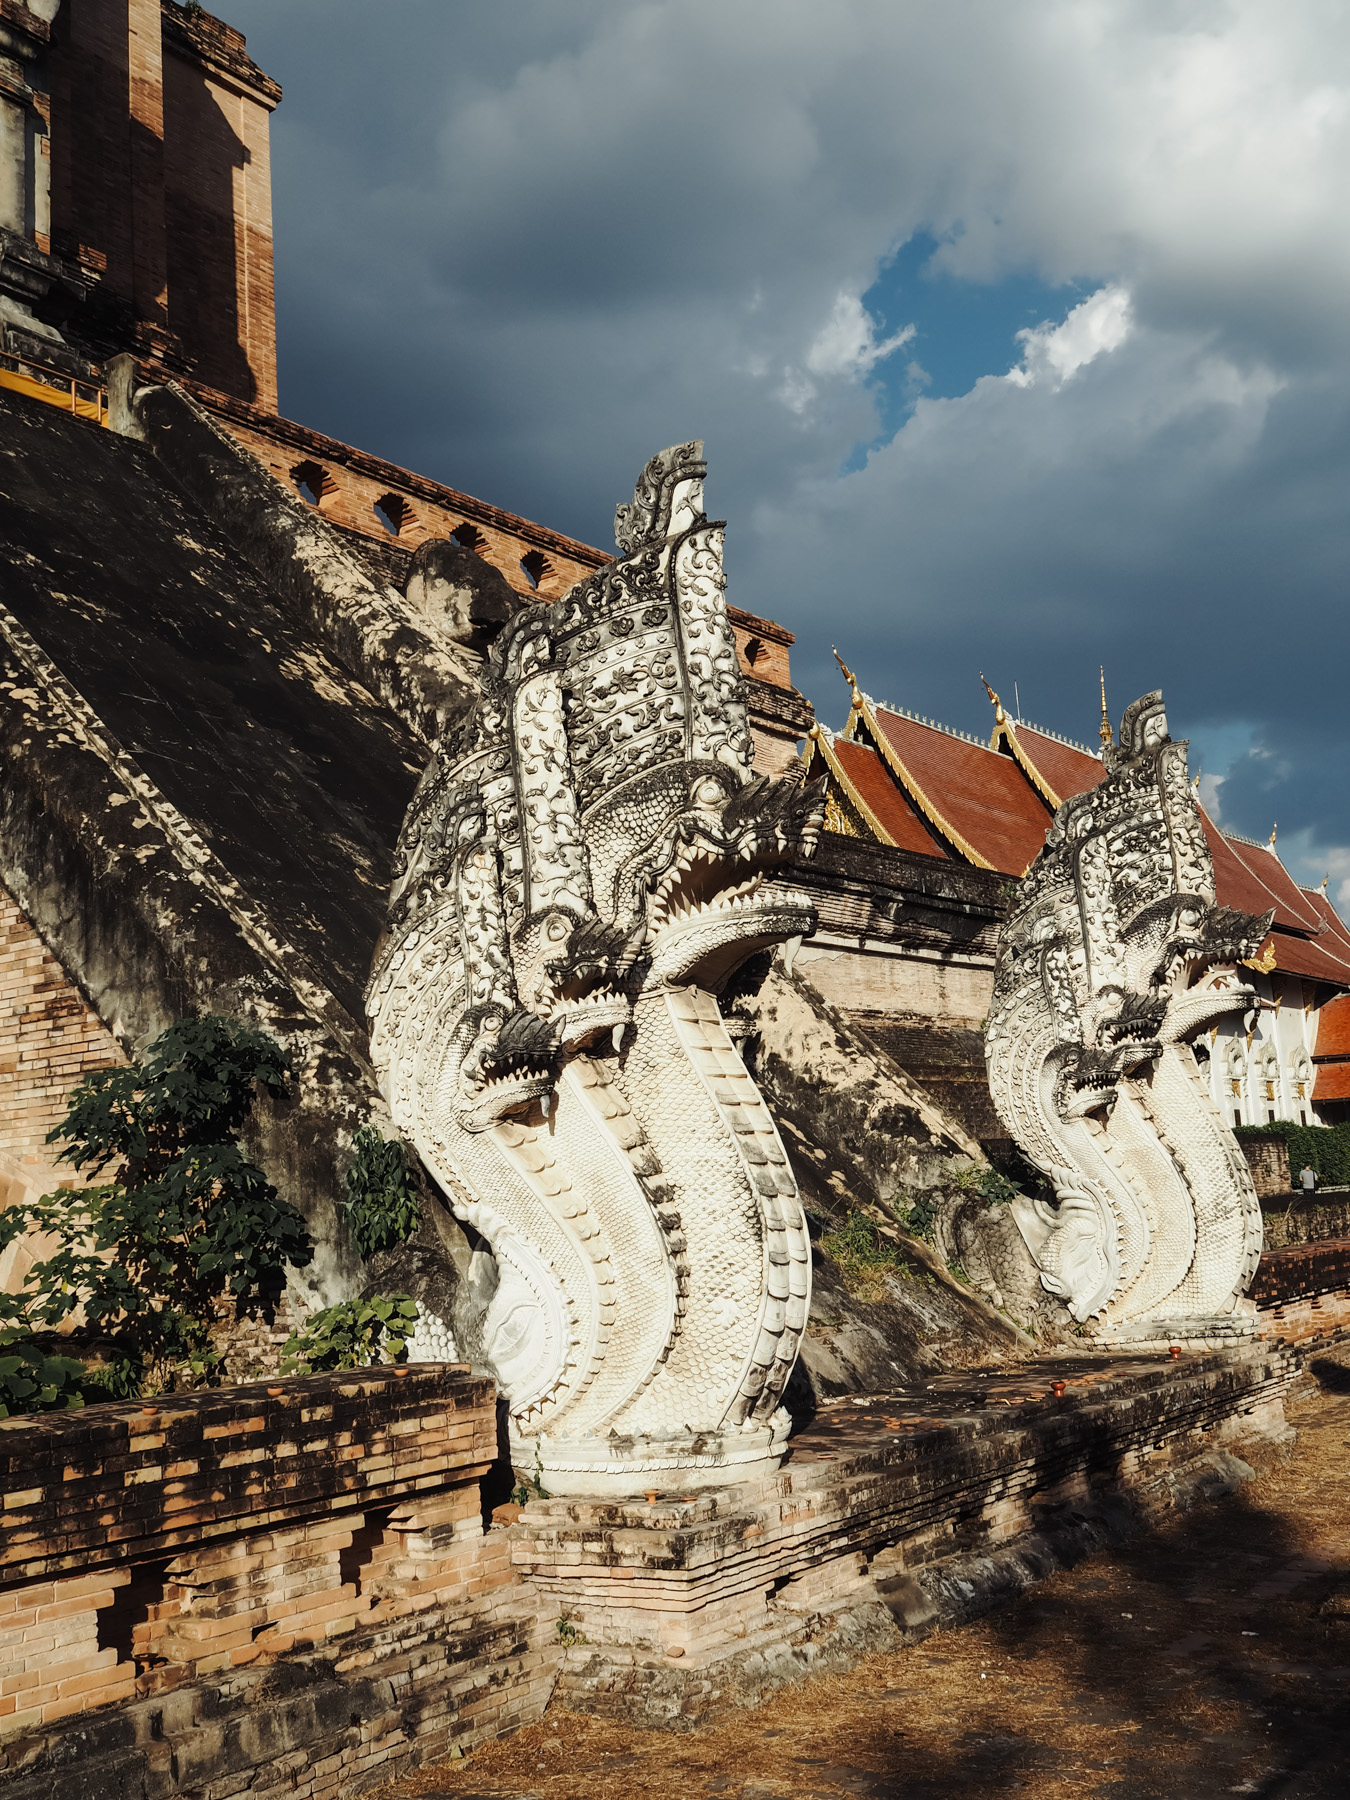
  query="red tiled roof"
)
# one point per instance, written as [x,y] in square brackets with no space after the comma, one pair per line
[972,791]
[873,784]
[1065,770]
[1332,1083]
[1336,927]
[1333,1029]
[1238,883]
[1316,959]
[1293,907]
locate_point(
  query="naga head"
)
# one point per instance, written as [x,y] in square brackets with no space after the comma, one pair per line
[596,831]
[1119,922]
[506,1062]
[698,886]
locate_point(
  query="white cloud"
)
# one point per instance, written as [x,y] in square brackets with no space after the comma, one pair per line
[846,347]
[847,344]
[578,233]
[1054,353]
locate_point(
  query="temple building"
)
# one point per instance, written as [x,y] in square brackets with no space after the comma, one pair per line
[901,780]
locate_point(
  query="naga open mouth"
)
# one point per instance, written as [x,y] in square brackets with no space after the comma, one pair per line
[699,884]
[1219,989]
[510,1063]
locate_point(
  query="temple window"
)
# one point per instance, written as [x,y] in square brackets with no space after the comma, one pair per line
[469,537]
[393,512]
[537,567]
[754,649]
[312,481]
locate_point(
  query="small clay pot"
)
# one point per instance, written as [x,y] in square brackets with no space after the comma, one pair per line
[1174,1351]
[1057,1389]
[651,1495]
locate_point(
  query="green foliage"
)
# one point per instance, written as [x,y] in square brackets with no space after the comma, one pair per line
[996,1189]
[567,1631]
[186,1220]
[919,1218]
[863,1256]
[382,1205]
[1325,1147]
[352,1335]
[31,1380]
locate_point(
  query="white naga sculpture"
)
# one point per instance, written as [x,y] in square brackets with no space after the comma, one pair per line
[577,877]
[1114,959]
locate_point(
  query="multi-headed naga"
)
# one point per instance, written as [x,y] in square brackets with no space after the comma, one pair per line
[577,878]
[1114,960]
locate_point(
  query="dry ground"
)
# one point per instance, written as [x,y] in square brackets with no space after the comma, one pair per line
[1212,1658]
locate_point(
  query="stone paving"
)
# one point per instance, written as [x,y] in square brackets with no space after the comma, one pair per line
[1211,1658]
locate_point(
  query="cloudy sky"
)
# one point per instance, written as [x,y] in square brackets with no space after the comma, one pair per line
[1019,335]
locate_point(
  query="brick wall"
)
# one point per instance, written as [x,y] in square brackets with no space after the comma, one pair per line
[183,1549]
[350,483]
[49,1038]
[1268,1160]
[161,187]
[218,211]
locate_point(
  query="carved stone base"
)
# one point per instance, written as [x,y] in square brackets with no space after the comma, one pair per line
[702,1600]
[624,1467]
[1216,1331]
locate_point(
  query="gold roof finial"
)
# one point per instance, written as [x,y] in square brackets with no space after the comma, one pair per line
[1104,732]
[850,678]
[1325,879]
[1195,779]
[1270,841]
[999,715]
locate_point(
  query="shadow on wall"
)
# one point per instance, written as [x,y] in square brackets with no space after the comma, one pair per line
[207,247]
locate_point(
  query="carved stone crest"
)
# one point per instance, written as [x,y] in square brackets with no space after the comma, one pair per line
[1114,958]
[577,877]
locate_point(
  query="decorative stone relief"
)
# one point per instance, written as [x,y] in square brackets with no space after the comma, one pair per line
[577,877]
[1114,959]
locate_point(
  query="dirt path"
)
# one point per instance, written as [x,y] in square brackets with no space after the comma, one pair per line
[1206,1660]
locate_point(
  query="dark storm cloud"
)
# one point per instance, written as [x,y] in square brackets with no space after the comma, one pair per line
[521,246]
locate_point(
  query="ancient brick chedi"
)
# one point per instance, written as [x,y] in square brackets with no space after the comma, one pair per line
[1114,958]
[581,870]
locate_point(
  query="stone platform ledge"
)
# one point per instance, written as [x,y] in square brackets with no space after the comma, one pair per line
[894,1516]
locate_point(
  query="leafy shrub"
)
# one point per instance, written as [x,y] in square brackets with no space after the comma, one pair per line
[996,1189]
[352,1335]
[919,1218]
[31,1380]
[186,1221]
[381,1205]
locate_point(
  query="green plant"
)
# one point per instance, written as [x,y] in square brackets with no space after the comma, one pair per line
[352,1335]
[187,1219]
[919,1218]
[863,1256]
[381,1204]
[567,1631]
[996,1189]
[530,1487]
[31,1380]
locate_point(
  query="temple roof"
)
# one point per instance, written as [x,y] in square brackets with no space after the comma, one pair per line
[980,801]
[1333,1081]
[912,782]
[1333,1033]
[863,779]
[1066,769]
